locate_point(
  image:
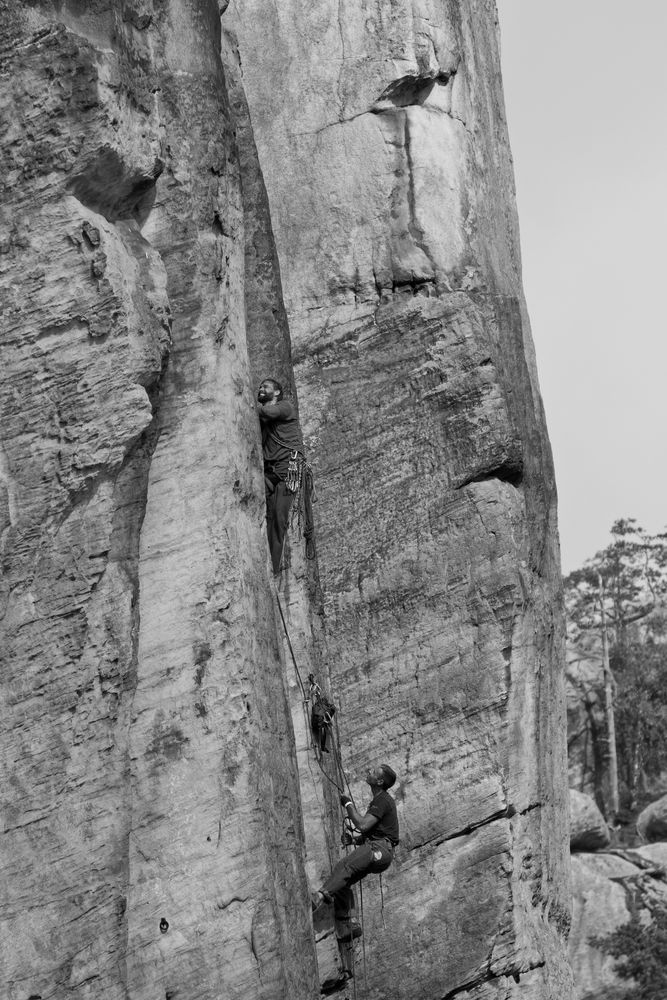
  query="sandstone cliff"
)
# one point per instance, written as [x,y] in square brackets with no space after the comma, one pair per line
[323,191]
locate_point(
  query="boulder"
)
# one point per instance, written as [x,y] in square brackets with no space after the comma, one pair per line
[655,853]
[608,889]
[652,821]
[588,829]
[599,907]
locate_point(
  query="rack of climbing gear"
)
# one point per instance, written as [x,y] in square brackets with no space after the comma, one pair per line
[300,482]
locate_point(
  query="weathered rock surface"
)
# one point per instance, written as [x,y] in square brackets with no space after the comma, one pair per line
[607,889]
[656,854]
[380,134]
[652,821]
[335,206]
[588,830]
[151,767]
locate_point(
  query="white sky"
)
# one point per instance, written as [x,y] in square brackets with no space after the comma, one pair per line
[586,95]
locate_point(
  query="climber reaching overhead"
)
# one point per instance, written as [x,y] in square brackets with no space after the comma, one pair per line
[379,830]
[283,456]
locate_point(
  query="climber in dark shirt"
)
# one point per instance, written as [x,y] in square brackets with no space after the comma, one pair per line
[379,829]
[281,440]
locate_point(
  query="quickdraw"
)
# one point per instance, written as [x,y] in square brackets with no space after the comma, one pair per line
[294,472]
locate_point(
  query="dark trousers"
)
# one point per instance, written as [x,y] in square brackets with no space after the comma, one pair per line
[278,503]
[361,861]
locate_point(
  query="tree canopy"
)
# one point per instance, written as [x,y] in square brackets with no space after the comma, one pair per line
[631,572]
[616,607]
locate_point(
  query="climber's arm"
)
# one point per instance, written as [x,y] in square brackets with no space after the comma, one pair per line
[275,411]
[363,823]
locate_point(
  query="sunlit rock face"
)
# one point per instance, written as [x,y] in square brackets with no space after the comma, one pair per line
[381,137]
[151,770]
[323,191]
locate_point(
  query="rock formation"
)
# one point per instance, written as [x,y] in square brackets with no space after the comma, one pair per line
[195,194]
[652,821]
[588,829]
[608,889]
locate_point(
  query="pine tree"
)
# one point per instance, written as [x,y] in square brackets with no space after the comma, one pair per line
[619,595]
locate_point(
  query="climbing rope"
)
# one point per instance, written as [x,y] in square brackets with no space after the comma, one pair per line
[363,939]
[315,692]
[300,482]
[336,751]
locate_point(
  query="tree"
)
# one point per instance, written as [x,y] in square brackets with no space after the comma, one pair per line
[619,596]
[640,951]
[641,712]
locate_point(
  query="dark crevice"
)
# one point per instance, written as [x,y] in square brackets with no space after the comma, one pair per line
[139,19]
[267,326]
[505,813]
[409,91]
[414,285]
[510,472]
[530,808]
[112,188]
[488,976]
[218,227]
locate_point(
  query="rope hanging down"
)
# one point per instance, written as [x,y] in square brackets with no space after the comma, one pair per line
[340,787]
[328,720]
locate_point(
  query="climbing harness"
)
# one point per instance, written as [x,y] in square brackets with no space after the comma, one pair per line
[322,720]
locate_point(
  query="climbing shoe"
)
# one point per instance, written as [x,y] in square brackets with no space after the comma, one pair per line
[318,898]
[335,984]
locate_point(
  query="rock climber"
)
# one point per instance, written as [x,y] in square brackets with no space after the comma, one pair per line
[379,830]
[282,445]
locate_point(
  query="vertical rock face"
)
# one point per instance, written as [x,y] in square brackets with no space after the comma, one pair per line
[151,762]
[329,199]
[380,133]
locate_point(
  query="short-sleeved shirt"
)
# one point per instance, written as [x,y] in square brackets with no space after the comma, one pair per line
[280,434]
[384,807]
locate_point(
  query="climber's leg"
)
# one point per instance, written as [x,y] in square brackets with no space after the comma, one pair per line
[346,873]
[278,503]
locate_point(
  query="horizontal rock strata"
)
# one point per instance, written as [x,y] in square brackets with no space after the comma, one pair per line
[154,838]
[380,135]
[322,192]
